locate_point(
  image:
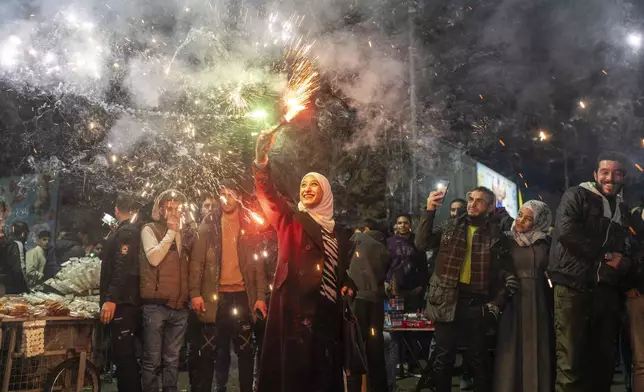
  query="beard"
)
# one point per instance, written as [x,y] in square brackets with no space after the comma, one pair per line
[617,188]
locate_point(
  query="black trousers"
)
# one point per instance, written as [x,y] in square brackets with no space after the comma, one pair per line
[234,323]
[210,346]
[201,360]
[371,318]
[124,330]
[469,328]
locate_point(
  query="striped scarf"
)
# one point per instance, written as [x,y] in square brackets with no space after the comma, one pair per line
[328,288]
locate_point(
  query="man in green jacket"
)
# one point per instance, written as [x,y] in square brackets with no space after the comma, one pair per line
[226,287]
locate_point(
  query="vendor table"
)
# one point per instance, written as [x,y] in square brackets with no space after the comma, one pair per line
[407,340]
[60,362]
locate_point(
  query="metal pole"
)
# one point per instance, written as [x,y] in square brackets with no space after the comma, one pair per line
[566,179]
[413,204]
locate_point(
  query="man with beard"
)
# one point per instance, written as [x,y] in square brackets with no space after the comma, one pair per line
[457,208]
[226,288]
[587,264]
[467,288]
[164,290]
[120,297]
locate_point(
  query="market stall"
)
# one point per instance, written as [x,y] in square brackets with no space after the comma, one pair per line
[47,337]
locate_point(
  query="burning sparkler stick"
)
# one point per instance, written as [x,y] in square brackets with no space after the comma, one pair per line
[302,84]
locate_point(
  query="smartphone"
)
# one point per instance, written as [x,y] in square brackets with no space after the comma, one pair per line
[442,186]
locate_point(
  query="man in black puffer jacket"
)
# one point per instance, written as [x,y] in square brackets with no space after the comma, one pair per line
[368,270]
[588,263]
[120,299]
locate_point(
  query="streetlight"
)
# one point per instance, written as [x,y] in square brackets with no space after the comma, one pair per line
[543,136]
[582,104]
[634,40]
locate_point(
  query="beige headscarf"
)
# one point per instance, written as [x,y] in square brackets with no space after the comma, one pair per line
[323,212]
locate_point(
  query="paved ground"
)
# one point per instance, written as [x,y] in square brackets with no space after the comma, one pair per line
[405,385]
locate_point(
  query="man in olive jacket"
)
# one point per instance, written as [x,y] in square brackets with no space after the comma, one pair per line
[467,287]
[226,287]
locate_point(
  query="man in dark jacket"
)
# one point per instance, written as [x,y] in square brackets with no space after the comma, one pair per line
[368,269]
[226,288]
[467,287]
[120,297]
[66,246]
[408,272]
[13,259]
[587,262]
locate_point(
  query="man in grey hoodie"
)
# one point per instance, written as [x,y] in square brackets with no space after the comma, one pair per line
[368,269]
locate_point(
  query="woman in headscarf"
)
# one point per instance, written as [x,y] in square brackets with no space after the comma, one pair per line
[524,339]
[303,344]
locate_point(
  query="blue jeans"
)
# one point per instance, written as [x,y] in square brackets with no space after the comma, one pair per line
[163,332]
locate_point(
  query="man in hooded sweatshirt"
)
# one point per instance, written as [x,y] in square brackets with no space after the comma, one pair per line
[588,261]
[368,269]
[164,290]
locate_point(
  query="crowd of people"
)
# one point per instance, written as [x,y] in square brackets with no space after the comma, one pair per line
[278,288]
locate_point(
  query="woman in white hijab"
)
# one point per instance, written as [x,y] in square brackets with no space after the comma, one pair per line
[524,344]
[302,343]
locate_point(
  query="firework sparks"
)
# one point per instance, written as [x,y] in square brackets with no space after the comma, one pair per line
[257,218]
[304,80]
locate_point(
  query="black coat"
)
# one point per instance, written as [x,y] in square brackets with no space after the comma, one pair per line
[63,250]
[11,272]
[369,265]
[582,236]
[120,265]
[302,345]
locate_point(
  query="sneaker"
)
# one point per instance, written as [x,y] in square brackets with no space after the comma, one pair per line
[467,385]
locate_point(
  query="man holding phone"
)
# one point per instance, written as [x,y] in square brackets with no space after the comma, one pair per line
[466,289]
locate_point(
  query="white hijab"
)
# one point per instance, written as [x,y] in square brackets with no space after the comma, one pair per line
[323,212]
[542,221]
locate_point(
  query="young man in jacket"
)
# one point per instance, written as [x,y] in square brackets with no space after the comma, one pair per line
[226,288]
[164,290]
[368,269]
[467,287]
[588,261]
[120,297]
[36,259]
[408,273]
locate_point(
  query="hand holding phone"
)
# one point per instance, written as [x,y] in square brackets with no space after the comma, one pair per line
[436,197]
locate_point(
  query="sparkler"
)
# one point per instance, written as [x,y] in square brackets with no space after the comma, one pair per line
[302,84]
[257,218]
